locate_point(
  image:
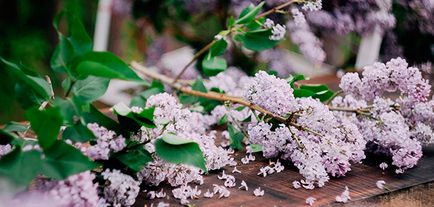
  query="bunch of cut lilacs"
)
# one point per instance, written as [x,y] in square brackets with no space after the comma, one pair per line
[323,140]
[116,187]
[395,127]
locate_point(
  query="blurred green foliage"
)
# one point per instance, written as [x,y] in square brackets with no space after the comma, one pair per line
[28,37]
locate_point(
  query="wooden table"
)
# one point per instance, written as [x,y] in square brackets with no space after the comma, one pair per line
[279,191]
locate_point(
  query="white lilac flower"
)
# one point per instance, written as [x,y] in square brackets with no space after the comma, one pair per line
[268,23]
[244,186]
[383,165]
[258,192]
[162,204]
[208,194]
[120,189]
[344,196]
[380,184]
[230,181]
[310,200]
[235,170]
[278,32]
[296,184]
[185,192]
[221,190]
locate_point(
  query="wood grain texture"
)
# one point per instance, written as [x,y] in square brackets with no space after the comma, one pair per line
[279,191]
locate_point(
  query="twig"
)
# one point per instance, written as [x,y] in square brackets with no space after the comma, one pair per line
[195,57]
[277,8]
[333,97]
[209,95]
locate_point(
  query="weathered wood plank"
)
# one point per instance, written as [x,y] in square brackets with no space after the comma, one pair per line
[279,191]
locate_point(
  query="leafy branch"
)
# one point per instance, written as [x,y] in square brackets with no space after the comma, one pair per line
[248,19]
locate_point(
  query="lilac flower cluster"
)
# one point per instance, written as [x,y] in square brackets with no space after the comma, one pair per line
[301,34]
[119,189]
[171,117]
[317,142]
[106,141]
[345,16]
[76,190]
[271,93]
[380,78]
[396,128]
[277,31]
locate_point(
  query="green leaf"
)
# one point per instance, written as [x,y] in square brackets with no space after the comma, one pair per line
[95,116]
[257,40]
[218,48]
[321,92]
[298,93]
[36,86]
[249,13]
[135,159]
[21,167]
[214,65]
[78,133]
[62,56]
[188,153]
[223,120]
[72,45]
[236,138]
[90,88]
[134,120]
[255,148]
[63,160]
[46,124]
[315,88]
[294,78]
[106,65]
[15,127]
[231,22]
[140,100]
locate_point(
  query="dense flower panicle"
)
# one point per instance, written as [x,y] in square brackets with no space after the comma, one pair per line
[320,145]
[120,189]
[421,15]
[312,5]
[271,93]
[380,78]
[310,46]
[76,190]
[343,17]
[396,128]
[106,141]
